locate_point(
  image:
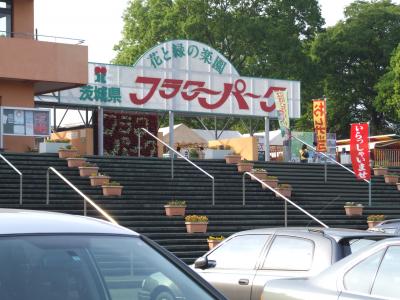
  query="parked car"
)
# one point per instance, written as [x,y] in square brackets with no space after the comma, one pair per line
[48,256]
[372,274]
[241,265]
[388,226]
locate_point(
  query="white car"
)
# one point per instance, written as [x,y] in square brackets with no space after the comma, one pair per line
[370,274]
[51,256]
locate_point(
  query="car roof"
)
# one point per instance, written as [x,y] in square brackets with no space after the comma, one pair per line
[19,221]
[389,223]
[336,233]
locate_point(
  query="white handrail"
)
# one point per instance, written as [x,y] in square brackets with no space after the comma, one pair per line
[282,196]
[330,158]
[86,198]
[189,161]
[20,176]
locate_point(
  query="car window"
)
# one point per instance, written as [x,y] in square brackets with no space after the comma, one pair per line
[90,268]
[241,252]
[349,246]
[387,282]
[290,253]
[359,279]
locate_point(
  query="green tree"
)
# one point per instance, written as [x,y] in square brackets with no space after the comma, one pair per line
[262,38]
[352,56]
[388,88]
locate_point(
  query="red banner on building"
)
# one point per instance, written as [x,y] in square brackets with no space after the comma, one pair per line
[319,113]
[359,150]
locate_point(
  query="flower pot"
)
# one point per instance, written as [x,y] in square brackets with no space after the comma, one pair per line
[245,167]
[74,162]
[262,175]
[232,158]
[65,153]
[271,182]
[287,192]
[372,224]
[193,227]
[112,190]
[380,171]
[213,243]
[173,210]
[88,171]
[99,180]
[398,186]
[391,179]
[353,210]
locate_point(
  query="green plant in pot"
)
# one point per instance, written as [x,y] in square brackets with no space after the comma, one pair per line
[175,208]
[353,209]
[196,223]
[113,188]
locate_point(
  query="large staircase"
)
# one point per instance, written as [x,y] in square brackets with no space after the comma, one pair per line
[148,186]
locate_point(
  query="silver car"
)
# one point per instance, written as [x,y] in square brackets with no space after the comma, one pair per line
[371,274]
[241,265]
[388,226]
[51,256]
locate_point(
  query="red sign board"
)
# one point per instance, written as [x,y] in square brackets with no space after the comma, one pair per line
[319,113]
[359,150]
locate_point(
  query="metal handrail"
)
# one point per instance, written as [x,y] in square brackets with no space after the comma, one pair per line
[86,198]
[36,36]
[343,166]
[20,176]
[181,156]
[282,196]
[330,158]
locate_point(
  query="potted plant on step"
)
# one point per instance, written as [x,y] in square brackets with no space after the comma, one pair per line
[259,173]
[53,146]
[353,209]
[374,220]
[74,162]
[67,151]
[112,188]
[380,170]
[98,179]
[285,189]
[391,178]
[245,166]
[232,158]
[88,169]
[214,241]
[272,181]
[175,208]
[196,223]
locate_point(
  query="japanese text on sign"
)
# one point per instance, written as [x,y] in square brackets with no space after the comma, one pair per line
[319,114]
[359,150]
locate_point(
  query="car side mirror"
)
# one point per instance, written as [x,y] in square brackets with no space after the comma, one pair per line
[203,263]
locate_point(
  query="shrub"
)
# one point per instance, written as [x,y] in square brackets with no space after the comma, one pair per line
[58,141]
[216,238]
[376,218]
[177,202]
[284,186]
[88,164]
[113,183]
[259,170]
[272,177]
[196,218]
[193,153]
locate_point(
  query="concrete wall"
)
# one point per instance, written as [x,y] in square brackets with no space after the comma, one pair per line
[245,146]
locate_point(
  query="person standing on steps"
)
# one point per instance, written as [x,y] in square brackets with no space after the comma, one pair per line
[304,154]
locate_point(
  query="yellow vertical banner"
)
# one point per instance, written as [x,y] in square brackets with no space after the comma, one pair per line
[319,114]
[281,103]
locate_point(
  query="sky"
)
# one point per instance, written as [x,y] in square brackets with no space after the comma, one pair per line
[100,23]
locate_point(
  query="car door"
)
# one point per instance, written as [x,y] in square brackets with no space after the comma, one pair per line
[377,277]
[288,256]
[235,265]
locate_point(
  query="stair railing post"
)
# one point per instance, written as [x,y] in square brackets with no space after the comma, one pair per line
[370,192]
[244,189]
[138,136]
[213,191]
[285,214]
[20,189]
[84,208]
[47,187]
[326,170]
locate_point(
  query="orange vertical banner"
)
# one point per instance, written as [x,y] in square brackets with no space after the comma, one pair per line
[319,114]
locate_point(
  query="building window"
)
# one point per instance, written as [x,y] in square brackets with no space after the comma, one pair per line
[5,17]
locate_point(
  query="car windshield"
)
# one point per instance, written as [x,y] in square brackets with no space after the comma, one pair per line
[90,268]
